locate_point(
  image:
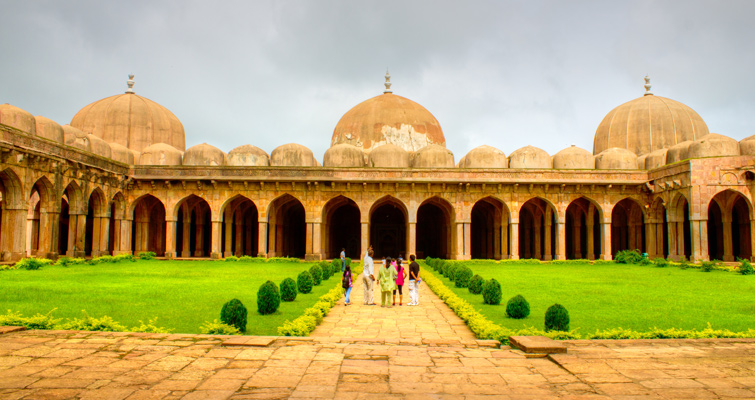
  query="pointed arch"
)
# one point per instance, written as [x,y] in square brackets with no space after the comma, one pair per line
[240,229]
[148,229]
[658,240]
[97,224]
[537,229]
[435,229]
[117,215]
[729,227]
[12,216]
[489,225]
[287,227]
[388,227]
[679,228]
[193,218]
[627,226]
[583,229]
[341,227]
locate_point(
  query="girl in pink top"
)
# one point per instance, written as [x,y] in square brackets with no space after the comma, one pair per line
[400,276]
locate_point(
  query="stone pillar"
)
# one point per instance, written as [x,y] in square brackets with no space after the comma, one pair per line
[46,224]
[366,239]
[262,239]
[561,241]
[170,238]
[13,239]
[229,221]
[215,240]
[505,240]
[497,241]
[248,239]
[459,241]
[672,246]
[659,239]
[467,241]
[272,229]
[72,220]
[412,248]
[590,226]
[125,237]
[752,239]
[680,245]
[537,251]
[514,231]
[309,242]
[548,253]
[186,240]
[81,230]
[650,239]
[605,245]
[116,227]
[728,245]
[699,238]
[280,251]
[314,242]
[577,237]
[104,235]
[54,232]
[199,238]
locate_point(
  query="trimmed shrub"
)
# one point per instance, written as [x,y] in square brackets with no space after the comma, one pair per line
[628,257]
[335,265]
[556,318]
[33,263]
[304,282]
[268,298]
[707,266]
[451,271]
[104,324]
[745,267]
[288,290]
[327,272]
[475,284]
[660,262]
[246,259]
[231,258]
[316,273]
[102,259]
[217,328]
[463,276]
[234,313]
[517,307]
[491,292]
[147,255]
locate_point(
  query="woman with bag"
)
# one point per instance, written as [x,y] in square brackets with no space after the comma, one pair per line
[347,283]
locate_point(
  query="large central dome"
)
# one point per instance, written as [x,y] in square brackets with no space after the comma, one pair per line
[131,121]
[388,118]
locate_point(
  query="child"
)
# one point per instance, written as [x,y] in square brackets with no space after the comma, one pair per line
[387,280]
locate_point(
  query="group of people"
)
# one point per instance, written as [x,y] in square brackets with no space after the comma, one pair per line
[392,276]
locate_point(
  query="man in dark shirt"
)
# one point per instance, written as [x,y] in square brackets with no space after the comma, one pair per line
[414,282]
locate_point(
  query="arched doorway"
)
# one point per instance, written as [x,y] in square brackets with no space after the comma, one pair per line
[240,235]
[679,230]
[658,243]
[435,233]
[582,230]
[117,215]
[73,218]
[341,225]
[627,227]
[97,225]
[537,230]
[388,228]
[148,229]
[194,229]
[490,229]
[12,217]
[287,228]
[729,235]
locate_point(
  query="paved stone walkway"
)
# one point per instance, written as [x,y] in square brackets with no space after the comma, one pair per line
[431,321]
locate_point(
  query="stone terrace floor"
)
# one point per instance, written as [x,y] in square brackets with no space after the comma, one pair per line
[366,352]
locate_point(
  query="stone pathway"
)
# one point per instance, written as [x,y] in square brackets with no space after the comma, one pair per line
[431,322]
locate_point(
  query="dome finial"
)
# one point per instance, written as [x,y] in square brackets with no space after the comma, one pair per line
[647,86]
[387,82]
[130,83]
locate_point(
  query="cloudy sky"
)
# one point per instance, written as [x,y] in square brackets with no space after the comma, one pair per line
[503,73]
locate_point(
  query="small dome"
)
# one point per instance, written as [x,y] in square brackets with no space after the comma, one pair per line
[388,118]
[747,146]
[132,121]
[530,157]
[484,157]
[389,156]
[76,138]
[656,159]
[343,155]
[647,124]
[433,156]
[99,146]
[573,158]
[17,118]
[204,154]
[616,158]
[121,154]
[160,154]
[678,152]
[292,155]
[713,145]
[248,156]
[49,129]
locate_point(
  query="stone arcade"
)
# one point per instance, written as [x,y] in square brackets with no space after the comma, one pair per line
[119,179]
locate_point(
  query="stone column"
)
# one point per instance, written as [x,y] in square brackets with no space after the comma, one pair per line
[72,220]
[590,226]
[199,238]
[672,246]
[699,239]
[116,227]
[239,244]
[459,241]
[170,238]
[46,223]
[680,245]
[229,221]
[514,231]
[309,242]
[659,239]
[548,254]
[752,239]
[728,245]
[505,240]
[561,241]
[605,246]
[577,237]
[81,230]
[13,239]
[365,239]
[650,239]
[262,239]
[272,229]
[467,241]
[95,236]
[215,240]
[537,250]
[497,241]
[104,235]
[186,240]
[412,248]
[125,239]
[317,248]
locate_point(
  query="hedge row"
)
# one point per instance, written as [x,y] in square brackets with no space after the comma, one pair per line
[311,317]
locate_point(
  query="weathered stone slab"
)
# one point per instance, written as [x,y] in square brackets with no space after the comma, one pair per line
[9,329]
[537,344]
[251,341]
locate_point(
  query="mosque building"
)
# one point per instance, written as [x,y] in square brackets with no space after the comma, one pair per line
[119,179]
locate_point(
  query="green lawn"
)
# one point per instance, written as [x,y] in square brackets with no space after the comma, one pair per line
[181,294]
[635,297]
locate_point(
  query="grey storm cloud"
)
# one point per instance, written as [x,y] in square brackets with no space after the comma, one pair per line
[502,73]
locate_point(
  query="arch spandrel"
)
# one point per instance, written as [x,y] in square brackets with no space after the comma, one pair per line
[99,203]
[76,203]
[285,197]
[330,205]
[48,198]
[120,205]
[453,213]
[131,207]
[390,199]
[191,201]
[726,199]
[234,201]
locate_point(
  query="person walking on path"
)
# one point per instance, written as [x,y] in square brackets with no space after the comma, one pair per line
[413,282]
[343,259]
[400,276]
[387,281]
[368,278]
[347,282]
